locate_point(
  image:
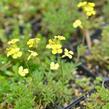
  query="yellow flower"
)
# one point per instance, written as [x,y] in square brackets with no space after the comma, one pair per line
[67,53]
[50,43]
[88,8]
[59,37]
[23,72]
[13,41]
[55,44]
[77,23]
[54,66]
[17,55]
[56,49]
[14,51]
[33,42]
[33,54]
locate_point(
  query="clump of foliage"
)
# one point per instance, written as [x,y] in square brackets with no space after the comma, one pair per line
[34,79]
[100,99]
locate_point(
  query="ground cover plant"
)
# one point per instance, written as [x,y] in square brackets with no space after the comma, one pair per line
[53,52]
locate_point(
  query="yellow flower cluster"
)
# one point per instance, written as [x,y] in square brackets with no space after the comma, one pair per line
[88,8]
[56,47]
[23,72]
[33,42]
[13,50]
[77,23]
[55,44]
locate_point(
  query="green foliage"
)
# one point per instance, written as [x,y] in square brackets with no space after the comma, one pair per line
[100,51]
[53,87]
[84,83]
[105,10]
[60,18]
[4,87]
[43,87]
[100,99]
[21,95]
[56,17]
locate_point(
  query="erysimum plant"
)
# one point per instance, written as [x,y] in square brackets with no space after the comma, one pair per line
[38,76]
